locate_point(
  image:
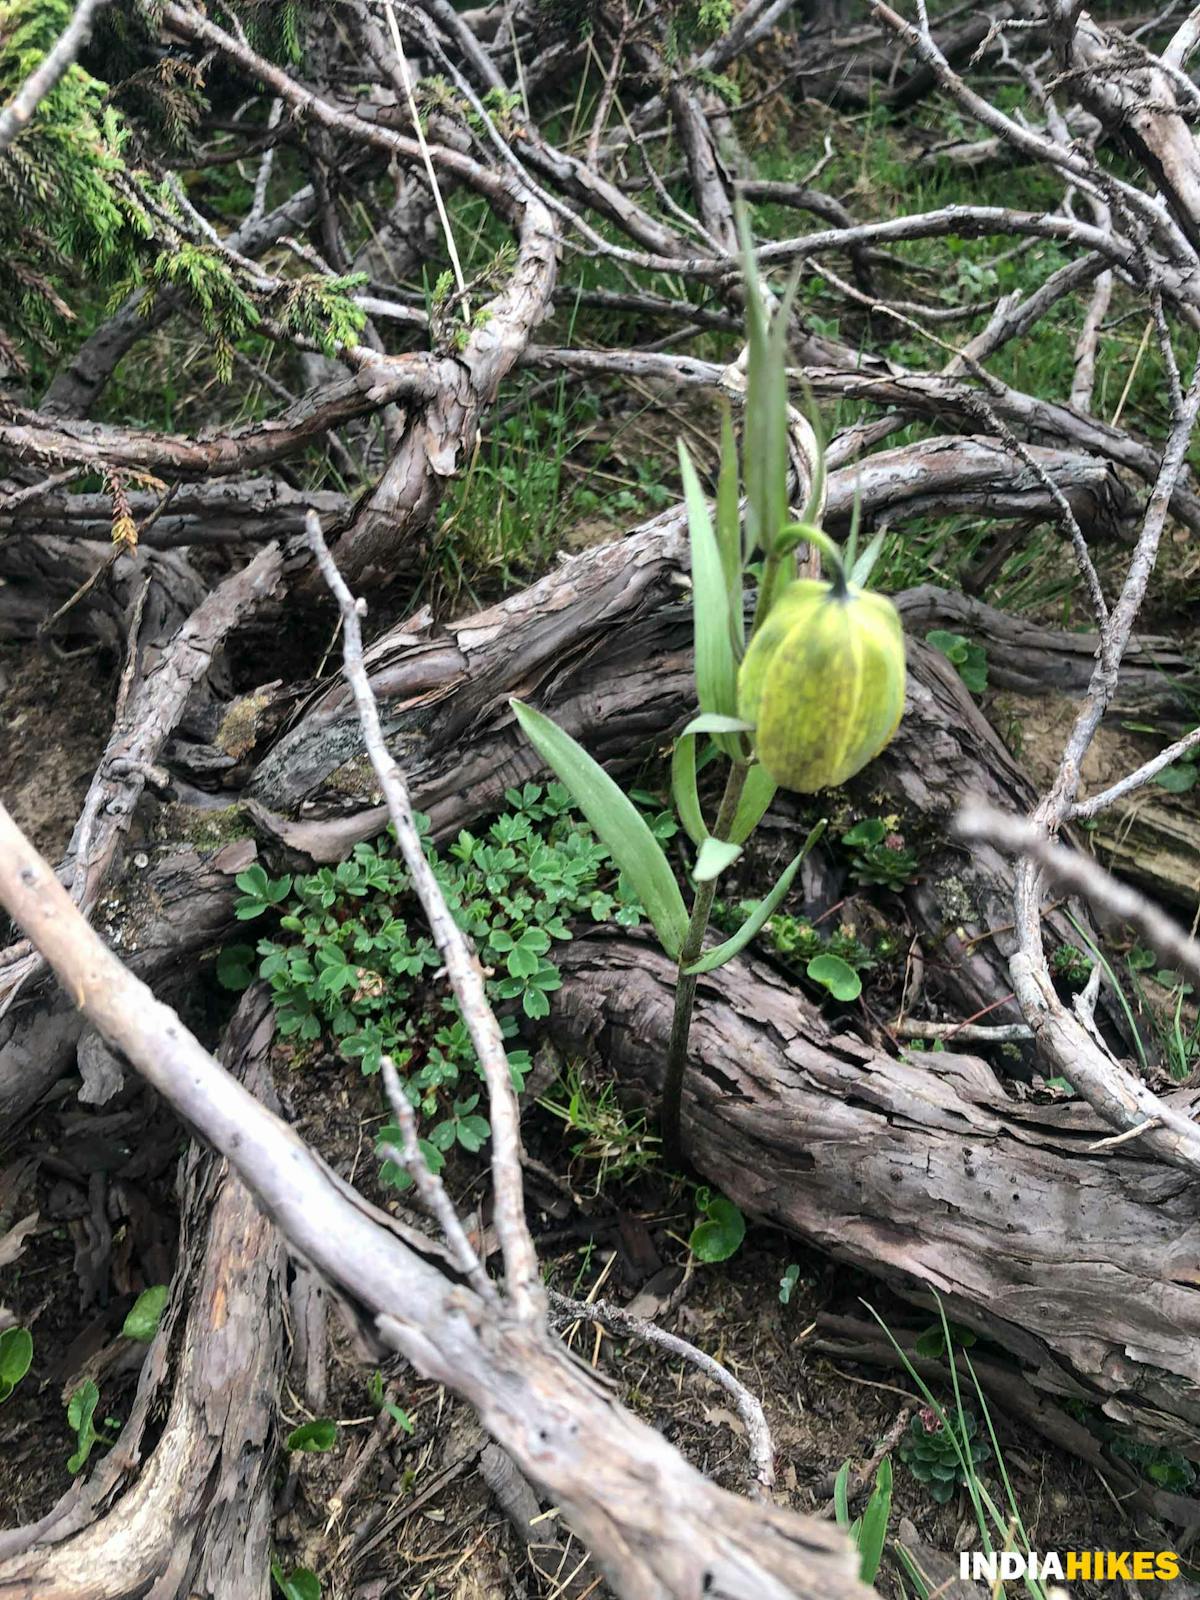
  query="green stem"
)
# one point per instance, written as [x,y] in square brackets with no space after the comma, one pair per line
[685,985]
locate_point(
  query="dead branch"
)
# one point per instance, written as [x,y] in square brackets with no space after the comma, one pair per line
[594,1458]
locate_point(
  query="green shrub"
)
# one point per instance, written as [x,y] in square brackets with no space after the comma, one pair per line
[352,967]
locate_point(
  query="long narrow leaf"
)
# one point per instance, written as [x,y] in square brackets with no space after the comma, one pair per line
[841,1499]
[757,794]
[716,669]
[873,1530]
[616,820]
[729,529]
[684,790]
[711,959]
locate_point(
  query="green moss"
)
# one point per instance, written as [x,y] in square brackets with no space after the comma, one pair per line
[207,830]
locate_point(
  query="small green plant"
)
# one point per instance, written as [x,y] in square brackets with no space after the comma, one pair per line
[81,1417]
[933,1450]
[1167,1468]
[1180,777]
[719,1235]
[607,1141]
[803,700]
[878,854]
[16,1358]
[788,1283]
[379,1399]
[1000,1525]
[299,1584]
[146,1313]
[1068,963]
[970,658]
[868,1533]
[350,968]
[313,1438]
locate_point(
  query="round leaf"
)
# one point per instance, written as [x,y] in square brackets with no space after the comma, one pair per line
[836,975]
[146,1314]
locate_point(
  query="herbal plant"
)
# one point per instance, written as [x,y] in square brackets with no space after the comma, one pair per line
[933,1451]
[803,700]
[607,1141]
[719,1233]
[879,855]
[868,1533]
[1000,1524]
[970,658]
[351,966]
[81,1417]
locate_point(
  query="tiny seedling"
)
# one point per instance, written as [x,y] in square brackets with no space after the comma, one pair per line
[722,1230]
[970,658]
[868,1533]
[81,1417]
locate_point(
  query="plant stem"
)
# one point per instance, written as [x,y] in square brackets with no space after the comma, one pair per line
[685,985]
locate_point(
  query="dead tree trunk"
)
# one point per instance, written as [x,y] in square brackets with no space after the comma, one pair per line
[1081,1264]
[182,1505]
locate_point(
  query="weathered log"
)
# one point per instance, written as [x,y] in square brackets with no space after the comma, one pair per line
[657,1528]
[182,1507]
[1084,1265]
[600,645]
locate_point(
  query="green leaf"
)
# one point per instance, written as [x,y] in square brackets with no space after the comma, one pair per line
[729,527]
[871,830]
[683,788]
[299,1584]
[765,428]
[713,858]
[872,1531]
[716,670]
[617,821]
[714,722]
[235,966]
[253,881]
[762,913]
[841,1499]
[16,1356]
[757,794]
[720,1236]
[1178,778]
[863,565]
[313,1437]
[931,1343]
[146,1313]
[836,975]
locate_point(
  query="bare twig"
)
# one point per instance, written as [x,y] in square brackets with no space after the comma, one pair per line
[749,1407]
[430,1187]
[1079,873]
[38,84]
[1146,773]
[462,965]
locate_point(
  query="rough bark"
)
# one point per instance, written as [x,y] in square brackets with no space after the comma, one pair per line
[924,1172]
[181,1508]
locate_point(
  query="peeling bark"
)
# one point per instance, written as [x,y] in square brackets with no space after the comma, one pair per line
[923,1172]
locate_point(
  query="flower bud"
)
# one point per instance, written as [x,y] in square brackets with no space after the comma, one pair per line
[823,683]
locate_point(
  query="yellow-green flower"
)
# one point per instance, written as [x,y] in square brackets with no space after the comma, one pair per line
[823,683]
